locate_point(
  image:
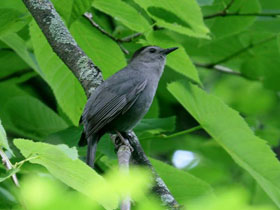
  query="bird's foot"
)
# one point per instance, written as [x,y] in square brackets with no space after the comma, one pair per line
[124,141]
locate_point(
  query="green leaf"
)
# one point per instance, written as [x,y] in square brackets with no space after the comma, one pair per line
[26,115]
[11,20]
[67,89]
[178,60]
[224,26]
[72,172]
[3,139]
[154,109]
[70,152]
[183,16]
[10,63]
[93,41]
[182,185]
[15,42]
[204,2]
[69,136]
[124,13]
[156,125]
[16,5]
[9,174]
[239,93]
[71,10]
[232,199]
[233,134]
[263,62]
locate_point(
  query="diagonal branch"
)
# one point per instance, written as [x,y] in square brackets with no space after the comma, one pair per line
[63,44]
[160,188]
[87,73]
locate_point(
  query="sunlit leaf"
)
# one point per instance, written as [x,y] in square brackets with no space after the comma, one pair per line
[183,16]
[28,116]
[93,41]
[11,20]
[177,60]
[9,174]
[124,13]
[231,132]
[224,26]
[72,172]
[15,42]
[67,89]
[182,185]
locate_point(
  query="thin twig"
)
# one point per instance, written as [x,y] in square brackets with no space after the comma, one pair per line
[221,13]
[216,65]
[88,16]
[219,68]
[228,5]
[227,14]
[130,37]
[9,166]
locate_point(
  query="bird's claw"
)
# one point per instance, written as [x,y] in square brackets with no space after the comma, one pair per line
[124,141]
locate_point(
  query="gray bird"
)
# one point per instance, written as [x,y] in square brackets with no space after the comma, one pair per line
[121,101]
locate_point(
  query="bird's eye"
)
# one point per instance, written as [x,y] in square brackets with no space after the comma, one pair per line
[152,50]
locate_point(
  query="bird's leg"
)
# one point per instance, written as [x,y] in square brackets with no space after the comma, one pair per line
[124,141]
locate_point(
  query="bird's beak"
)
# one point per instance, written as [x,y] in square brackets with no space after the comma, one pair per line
[169,50]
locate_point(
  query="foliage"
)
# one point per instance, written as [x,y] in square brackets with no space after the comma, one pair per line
[217,99]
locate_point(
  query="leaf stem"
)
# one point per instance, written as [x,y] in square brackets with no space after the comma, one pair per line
[184,132]
[8,165]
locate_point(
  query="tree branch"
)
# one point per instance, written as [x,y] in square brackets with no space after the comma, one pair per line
[87,73]
[8,165]
[160,188]
[63,44]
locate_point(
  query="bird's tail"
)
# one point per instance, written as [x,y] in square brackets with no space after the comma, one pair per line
[91,150]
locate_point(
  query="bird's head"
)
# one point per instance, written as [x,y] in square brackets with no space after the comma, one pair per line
[151,54]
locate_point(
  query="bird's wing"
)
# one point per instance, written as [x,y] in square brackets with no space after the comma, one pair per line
[109,104]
